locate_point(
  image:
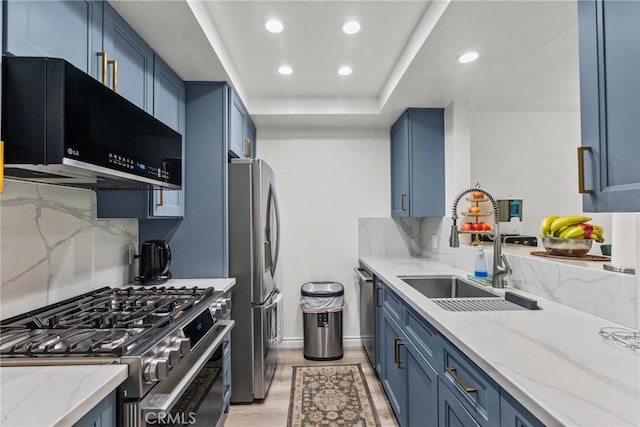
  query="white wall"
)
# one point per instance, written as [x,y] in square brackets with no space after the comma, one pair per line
[325,181]
[532,156]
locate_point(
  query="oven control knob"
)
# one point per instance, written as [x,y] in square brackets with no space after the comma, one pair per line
[224,307]
[156,369]
[172,354]
[183,345]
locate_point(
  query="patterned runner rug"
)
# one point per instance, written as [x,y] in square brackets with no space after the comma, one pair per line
[330,396]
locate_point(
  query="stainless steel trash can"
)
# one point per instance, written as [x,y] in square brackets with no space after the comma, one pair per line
[322,306]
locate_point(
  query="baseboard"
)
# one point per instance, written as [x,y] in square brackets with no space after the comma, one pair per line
[298,342]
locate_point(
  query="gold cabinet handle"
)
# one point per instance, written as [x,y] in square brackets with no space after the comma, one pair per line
[114,75]
[247,147]
[581,188]
[103,55]
[466,388]
[161,202]
[404,202]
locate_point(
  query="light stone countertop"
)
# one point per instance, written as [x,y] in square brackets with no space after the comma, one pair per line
[552,360]
[54,395]
[61,395]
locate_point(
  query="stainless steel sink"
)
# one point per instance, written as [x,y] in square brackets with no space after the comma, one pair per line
[446,287]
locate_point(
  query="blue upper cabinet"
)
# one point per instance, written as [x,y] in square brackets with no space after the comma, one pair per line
[400,167]
[417,164]
[242,132]
[169,108]
[60,29]
[129,61]
[609,42]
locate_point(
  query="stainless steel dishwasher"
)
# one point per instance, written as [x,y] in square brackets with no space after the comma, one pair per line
[367,311]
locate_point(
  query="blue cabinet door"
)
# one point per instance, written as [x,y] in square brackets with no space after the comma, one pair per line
[451,413]
[169,108]
[71,30]
[610,104]
[102,415]
[417,164]
[393,379]
[134,76]
[422,390]
[513,414]
[400,169]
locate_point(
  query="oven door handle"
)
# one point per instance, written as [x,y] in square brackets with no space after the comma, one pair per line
[158,401]
[363,275]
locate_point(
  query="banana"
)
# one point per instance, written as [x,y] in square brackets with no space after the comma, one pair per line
[560,231]
[545,225]
[573,232]
[558,223]
[598,229]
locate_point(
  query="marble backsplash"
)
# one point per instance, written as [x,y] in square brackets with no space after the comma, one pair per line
[53,247]
[611,296]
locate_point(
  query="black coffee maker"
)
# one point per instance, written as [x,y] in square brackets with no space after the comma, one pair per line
[155,259]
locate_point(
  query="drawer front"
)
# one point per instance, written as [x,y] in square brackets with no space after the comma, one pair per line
[392,303]
[478,393]
[423,335]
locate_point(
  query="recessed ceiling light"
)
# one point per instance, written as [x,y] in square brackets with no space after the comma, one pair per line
[345,71]
[285,69]
[274,26]
[351,27]
[468,57]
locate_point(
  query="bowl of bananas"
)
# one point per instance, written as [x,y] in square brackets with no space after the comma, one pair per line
[567,247]
[570,236]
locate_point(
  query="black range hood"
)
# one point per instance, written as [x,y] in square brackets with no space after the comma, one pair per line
[61,126]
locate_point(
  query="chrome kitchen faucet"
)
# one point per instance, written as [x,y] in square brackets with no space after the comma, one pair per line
[501,267]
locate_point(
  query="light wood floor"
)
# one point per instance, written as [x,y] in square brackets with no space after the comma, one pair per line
[273,410]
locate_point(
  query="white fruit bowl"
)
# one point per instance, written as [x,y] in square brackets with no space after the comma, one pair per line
[567,247]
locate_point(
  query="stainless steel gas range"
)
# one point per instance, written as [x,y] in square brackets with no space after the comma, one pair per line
[175,342]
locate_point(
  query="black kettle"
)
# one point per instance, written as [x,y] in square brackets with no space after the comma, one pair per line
[155,260]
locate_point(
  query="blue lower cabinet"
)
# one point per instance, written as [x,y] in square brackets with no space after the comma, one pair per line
[102,415]
[422,389]
[429,381]
[513,414]
[393,379]
[451,413]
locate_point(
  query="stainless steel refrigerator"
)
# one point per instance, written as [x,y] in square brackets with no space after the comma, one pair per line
[254,240]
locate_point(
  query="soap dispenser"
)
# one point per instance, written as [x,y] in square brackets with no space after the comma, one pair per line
[481,264]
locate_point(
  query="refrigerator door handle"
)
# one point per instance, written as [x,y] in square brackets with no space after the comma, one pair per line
[274,319]
[277,212]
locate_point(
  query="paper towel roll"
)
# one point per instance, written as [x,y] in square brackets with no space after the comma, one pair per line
[624,244]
